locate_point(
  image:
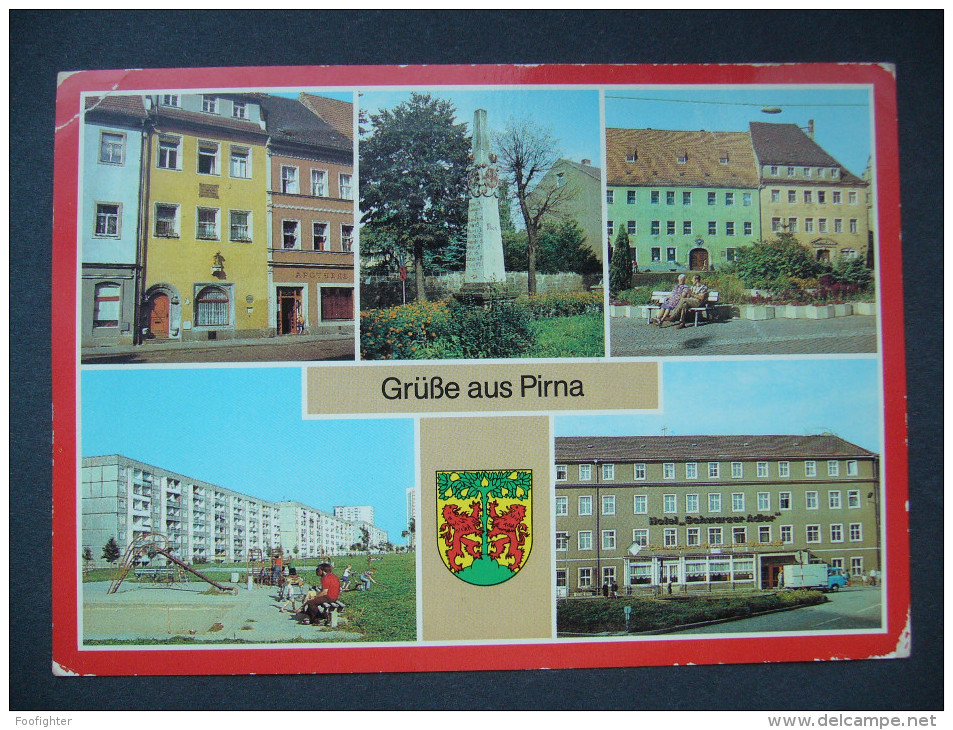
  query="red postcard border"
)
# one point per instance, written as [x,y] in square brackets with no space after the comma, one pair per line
[69,659]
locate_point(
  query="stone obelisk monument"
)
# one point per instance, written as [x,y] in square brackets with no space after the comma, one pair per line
[485,277]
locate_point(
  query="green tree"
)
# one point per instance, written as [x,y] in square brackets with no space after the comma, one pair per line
[506,215]
[763,262]
[413,178]
[563,248]
[620,268]
[111,551]
[527,152]
[514,250]
[87,557]
[365,538]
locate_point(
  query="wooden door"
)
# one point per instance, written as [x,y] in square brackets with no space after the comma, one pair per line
[337,303]
[159,316]
[290,314]
[698,260]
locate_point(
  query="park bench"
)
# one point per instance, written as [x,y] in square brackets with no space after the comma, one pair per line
[334,609]
[166,573]
[660,296]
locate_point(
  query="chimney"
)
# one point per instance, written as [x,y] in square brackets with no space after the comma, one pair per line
[586,161]
[810,128]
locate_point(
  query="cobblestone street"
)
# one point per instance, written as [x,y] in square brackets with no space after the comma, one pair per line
[838,335]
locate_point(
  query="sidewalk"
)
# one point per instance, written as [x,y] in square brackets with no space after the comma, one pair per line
[838,335]
[332,346]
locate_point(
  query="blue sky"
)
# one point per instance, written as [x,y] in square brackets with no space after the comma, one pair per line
[756,397]
[340,95]
[572,116]
[241,428]
[841,115]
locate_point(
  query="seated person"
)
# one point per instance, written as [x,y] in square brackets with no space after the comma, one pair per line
[696,298]
[315,608]
[678,292]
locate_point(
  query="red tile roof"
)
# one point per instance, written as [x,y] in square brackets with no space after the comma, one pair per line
[339,114]
[787,144]
[174,114]
[657,152]
[129,108]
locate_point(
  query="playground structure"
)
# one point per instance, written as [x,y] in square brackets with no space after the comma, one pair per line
[258,572]
[151,544]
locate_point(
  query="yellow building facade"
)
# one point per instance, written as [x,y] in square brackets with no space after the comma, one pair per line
[206,222]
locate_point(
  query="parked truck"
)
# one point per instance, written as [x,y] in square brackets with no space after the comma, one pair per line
[816,576]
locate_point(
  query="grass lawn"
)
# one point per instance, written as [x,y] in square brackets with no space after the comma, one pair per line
[589,616]
[581,335]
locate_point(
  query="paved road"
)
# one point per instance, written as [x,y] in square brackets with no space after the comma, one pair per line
[856,607]
[854,334]
[290,349]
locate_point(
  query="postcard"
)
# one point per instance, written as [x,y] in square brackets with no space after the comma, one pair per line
[364,369]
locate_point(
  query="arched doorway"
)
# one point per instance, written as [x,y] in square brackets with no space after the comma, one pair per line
[698,259]
[158,313]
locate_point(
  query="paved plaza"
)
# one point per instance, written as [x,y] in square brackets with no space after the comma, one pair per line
[632,337]
[288,348]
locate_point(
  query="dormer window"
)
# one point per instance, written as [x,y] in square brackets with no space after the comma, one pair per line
[238,110]
[632,156]
[682,157]
[723,158]
[170,100]
[210,105]
[835,173]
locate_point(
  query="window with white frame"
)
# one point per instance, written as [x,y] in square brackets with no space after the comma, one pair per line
[852,227]
[809,225]
[853,499]
[773,170]
[852,197]
[837,563]
[610,229]
[856,532]
[560,578]
[319,236]
[764,501]
[712,228]
[738,502]
[206,224]
[739,535]
[608,472]
[784,468]
[686,197]
[562,506]
[686,228]
[790,172]
[670,197]
[239,162]
[107,219]
[764,533]
[715,536]
[610,196]
[693,536]
[714,502]
[562,472]
[239,226]
[585,472]
[691,503]
[668,470]
[640,504]
[835,173]
[289,234]
[289,179]
[810,500]
[584,539]
[837,533]
[112,148]
[737,470]
[852,468]
[344,185]
[729,198]
[813,533]
[856,567]
[669,505]
[670,536]
[691,470]
[239,110]
[107,305]
[670,255]
[347,238]
[208,158]
[836,197]
[712,197]
[212,307]
[608,574]
[833,499]
[640,537]
[792,196]
[713,469]
[776,196]
[784,500]
[787,534]
[639,471]
[822,225]
[746,198]
[585,505]
[762,470]
[669,228]
[838,225]
[630,197]
[585,578]
[608,504]
[209,104]
[167,220]
[792,225]
[775,224]
[168,153]
[169,99]
[631,227]
[810,468]
[748,230]
[833,468]
[608,539]
[562,541]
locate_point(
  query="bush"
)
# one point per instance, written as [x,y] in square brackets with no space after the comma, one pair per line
[638,296]
[620,267]
[542,306]
[761,264]
[500,329]
[400,332]
[730,288]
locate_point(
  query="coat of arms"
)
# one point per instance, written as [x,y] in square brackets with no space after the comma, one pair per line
[484,523]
